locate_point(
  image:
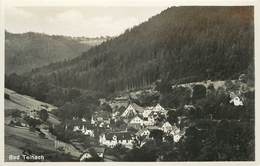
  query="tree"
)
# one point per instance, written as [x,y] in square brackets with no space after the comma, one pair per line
[7,96]
[106,107]
[178,96]
[172,117]
[73,94]
[156,135]
[43,114]
[16,114]
[142,154]
[199,91]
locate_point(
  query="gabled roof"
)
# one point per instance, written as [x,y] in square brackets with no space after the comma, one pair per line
[167,123]
[147,112]
[158,107]
[132,110]
[141,131]
[138,108]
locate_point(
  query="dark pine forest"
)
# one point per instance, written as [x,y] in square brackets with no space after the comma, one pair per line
[181,43]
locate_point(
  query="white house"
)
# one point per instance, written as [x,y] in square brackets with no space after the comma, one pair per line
[87,131]
[84,130]
[147,112]
[236,101]
[160,109]
[176,138]
[132,110]
[136,120]
[150,121]
[91,152]
[100,117]
[85,155]
[177,133]
[76,128]
[144,132]
[113,138]
[166,127]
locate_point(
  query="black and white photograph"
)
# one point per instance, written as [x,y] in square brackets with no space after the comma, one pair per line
[129,83]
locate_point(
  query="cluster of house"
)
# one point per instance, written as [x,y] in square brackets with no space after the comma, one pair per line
[144,120]
[140,121]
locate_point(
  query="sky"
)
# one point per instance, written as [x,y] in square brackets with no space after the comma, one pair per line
[86,21]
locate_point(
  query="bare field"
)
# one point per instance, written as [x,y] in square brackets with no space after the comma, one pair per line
[27,101]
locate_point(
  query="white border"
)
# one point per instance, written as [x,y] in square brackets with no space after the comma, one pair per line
[256,3]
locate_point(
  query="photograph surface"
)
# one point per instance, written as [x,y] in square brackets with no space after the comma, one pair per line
[129,83]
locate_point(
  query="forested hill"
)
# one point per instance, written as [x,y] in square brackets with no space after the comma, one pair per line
[180,43]
[26,51]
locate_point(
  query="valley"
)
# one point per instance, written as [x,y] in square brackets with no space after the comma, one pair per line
[173,88]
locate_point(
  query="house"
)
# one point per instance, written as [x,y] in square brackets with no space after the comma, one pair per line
[111,139]
[189,107]
[136,122]
[132,110]
[158,108]
[147,112]
[115,115]
[103,125]
[143,133]
[93,152]
[177,134]
[235,99]
[175,129]
[166,127]
[76,128]
[86,155]
[87,131]
[84,128]
[119,102]
[150,121]
[101,117]
[83,120]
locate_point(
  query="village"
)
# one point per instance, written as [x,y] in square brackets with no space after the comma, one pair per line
[130,128]
[124,125]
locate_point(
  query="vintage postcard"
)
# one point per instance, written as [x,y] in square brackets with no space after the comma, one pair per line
[128,81]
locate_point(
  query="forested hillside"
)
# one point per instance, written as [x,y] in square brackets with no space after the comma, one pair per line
[180,43]
[23,52]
